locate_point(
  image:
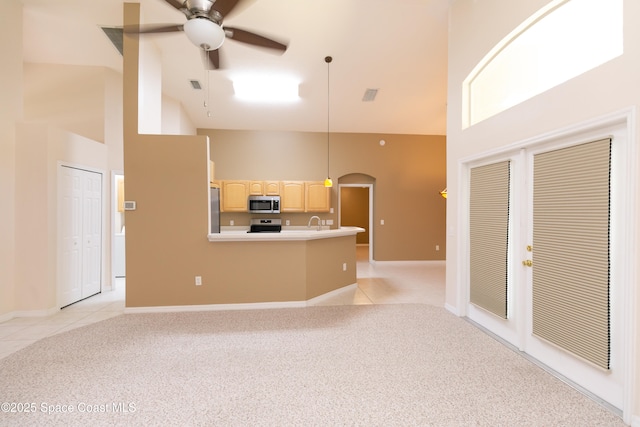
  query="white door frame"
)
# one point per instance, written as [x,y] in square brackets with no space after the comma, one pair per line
[624,212]
[371,237]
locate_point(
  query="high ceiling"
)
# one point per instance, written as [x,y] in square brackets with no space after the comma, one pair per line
[396,46]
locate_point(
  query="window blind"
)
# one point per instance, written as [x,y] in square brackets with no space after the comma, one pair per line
[489,229]
[571,210]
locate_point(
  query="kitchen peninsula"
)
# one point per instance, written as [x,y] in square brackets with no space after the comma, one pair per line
[294,265]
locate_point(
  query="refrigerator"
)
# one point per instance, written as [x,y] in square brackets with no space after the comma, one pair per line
[214,197]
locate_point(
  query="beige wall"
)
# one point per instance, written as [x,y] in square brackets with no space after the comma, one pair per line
[474,30]
[409,172]
[11,111]
[70,96]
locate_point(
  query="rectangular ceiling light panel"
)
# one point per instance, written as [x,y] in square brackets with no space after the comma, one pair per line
[267,89]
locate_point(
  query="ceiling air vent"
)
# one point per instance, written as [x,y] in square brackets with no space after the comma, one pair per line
[115,35]
[195,84]
[369,95]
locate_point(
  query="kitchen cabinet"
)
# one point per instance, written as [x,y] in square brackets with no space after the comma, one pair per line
[271,188]
[264,188]
[234,196]
[292,196]
[317,197]
[256,188]
[120,193]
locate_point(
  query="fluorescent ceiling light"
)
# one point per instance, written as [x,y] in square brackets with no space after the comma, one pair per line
[274,89]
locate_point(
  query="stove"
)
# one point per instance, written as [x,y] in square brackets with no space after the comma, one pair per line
[270,225]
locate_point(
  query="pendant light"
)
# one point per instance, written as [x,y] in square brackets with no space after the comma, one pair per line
[328,182]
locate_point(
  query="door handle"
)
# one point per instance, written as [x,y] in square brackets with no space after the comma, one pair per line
[527,263]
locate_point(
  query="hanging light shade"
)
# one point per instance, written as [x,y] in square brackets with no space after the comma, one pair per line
[328,182]
[204,33]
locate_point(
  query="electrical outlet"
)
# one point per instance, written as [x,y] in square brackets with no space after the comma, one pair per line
[382,222]
[231,222]
[287,222]
[437,247]
[198,280]
[344,266]
[329,222]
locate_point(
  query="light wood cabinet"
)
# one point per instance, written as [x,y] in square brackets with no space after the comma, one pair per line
[264,188]
[295,196]
[271,188]
[256,188]
[120,193]
[292,196]
[317,197]
[234,196]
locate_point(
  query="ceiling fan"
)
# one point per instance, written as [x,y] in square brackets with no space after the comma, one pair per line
[205,30]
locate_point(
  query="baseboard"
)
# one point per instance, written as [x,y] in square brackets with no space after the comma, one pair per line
[452,309]
[240,306]
[215,307]
[328,295]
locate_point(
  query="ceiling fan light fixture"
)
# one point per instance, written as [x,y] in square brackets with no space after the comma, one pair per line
[204,33]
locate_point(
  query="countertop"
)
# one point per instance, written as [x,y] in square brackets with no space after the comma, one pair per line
[239,234]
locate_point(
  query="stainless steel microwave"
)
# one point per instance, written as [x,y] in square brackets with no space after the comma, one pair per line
[264,204]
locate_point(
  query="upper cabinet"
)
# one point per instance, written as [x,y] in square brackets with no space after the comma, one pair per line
[212,169]
[292,196]
[234,196]
[264,188]
[271,188]
[256,188]
[317,197]
[295,196]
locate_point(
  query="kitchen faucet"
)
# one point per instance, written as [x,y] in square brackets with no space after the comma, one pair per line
[319,222]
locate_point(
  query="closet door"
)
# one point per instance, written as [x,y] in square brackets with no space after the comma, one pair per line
[92,233]
[70,212]
[80,213]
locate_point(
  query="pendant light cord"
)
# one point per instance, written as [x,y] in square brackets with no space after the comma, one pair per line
[328,60]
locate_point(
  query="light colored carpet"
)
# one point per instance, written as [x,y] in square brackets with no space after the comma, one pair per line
[375,365]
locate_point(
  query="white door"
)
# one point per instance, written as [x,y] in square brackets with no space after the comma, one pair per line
[92,232]
[573,304]
[518,324]
[81,234]
[496,310]
[70,283]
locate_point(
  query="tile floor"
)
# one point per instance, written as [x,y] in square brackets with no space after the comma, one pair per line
[388,282]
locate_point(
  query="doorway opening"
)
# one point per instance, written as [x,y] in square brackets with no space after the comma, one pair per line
[355,208]
[118,265]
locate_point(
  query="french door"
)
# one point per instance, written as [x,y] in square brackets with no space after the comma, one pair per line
[545,239]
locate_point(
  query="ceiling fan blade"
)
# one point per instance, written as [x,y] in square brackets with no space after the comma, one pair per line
[178,4]
[224,7]
[253,39]
[211,59]
[153,28]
